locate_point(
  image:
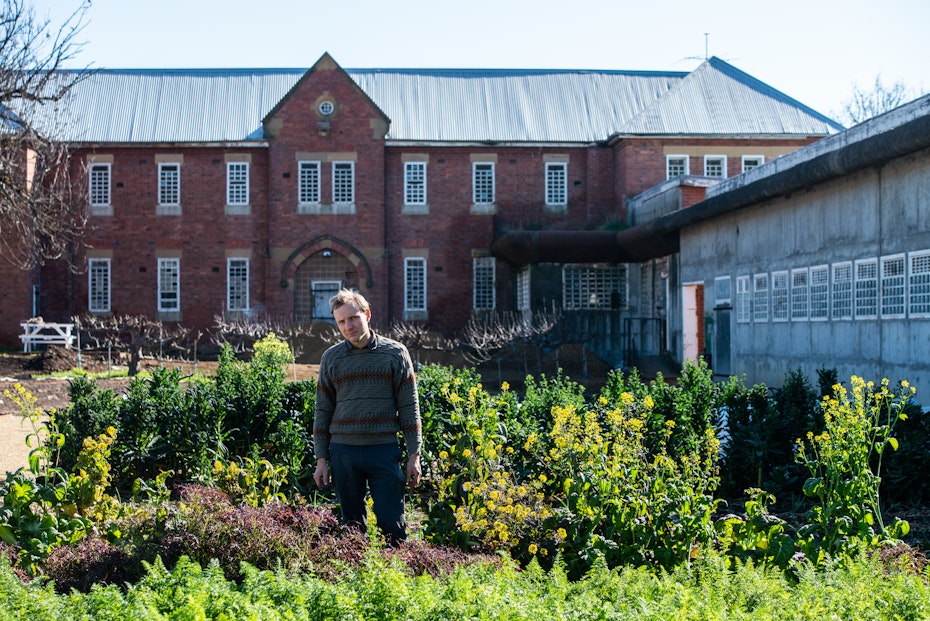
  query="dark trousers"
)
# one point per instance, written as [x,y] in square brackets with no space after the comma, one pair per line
[375,468]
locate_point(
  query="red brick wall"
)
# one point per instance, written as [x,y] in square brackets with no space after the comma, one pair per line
[15,303]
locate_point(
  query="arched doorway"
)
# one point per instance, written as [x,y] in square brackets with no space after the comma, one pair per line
[316,279]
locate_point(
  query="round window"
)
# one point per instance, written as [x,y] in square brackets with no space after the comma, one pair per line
[326,108]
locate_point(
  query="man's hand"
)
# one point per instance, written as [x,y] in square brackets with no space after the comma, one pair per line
[413,470]
[321,475]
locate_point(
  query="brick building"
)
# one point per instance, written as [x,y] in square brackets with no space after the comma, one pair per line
[249,192]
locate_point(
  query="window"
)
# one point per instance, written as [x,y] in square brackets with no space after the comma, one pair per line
[780,296]
[414,183]
[723,296]
[893,286]
[760,297]
[715,165]
[99,185]
[483,183]
[483,269]
[842,307]
[237,183]
[594,287]
[344,183]
[523,290]
[800,295]
[752,161]
[918,284]
[98,285]
[743,308]
[169,284]
[308,183]
[866,289]
[676,166]
[237,285]
[414,284]
[820,292]
[556,183]
[169,184]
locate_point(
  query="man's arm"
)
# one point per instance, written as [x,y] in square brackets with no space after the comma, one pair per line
[321,475]
[414,473]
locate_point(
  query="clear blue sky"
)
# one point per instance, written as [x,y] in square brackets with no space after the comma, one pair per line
[812,50]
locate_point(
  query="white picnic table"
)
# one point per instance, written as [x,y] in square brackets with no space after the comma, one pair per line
[42,333]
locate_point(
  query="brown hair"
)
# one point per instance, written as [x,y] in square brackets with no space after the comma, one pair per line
[347,296]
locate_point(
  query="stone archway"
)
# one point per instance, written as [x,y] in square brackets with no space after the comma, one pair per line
[316,279]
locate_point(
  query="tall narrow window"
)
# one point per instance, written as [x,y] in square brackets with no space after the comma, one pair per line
[308,183]
[414,284]
[676,166]
[237,183]
[414,183]
[169,184]
[760,297]
[842,288]
[800,295]
[820,292]
[715,165]
[343,183]
[523,290]
[723,294]
[483,269]
[893,287]
[866,289]
[743,300]
[780,306]
[169,284]
[483,183]
[918,284]
[99,185]
[556,183]
[98,286]
[237,285]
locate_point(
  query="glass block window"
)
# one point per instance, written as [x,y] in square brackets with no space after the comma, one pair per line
[556,183]
[594,287]
[780,306]
[523,290]
[676,166]
[842,303]
[308,183]
[820,292]
[237,183]
[743,300]
[483,183]
[918,284]
[169,184]
[414,284]
[237,285]
[866,300]
[99,186]
[483,271]
[415,183]
[169,284]
[760,297]
[893,288]
[715,165]
[723,294]
[343,183]
[98,285]
[800,295]
[752,161]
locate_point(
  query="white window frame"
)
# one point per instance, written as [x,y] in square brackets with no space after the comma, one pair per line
[169,184]
[819,292]
[484,278]
[590,286]
[523,290]
[414,183]
[752,161]
[781,296]
[237,183]
[415,284]
[743,300]
[484,184]
[556,184]
[169,285]
[343,182]
[893,291]
[760,297]
[100,181]
[918,284]
[238,275]
[800,285]
[866,298]
[309,176]
[99,285]
[670,165]
[721,161]
[723,291]
[842,288]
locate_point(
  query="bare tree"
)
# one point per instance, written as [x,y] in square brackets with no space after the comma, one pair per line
[38,218]
[418,337]
[133,333]
[864,104]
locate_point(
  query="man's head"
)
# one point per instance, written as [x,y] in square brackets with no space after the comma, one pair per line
[351,311]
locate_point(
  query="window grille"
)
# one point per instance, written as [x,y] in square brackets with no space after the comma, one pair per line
[98,289]
[820,292]
[414,284]
[343,183]
[743,300]
[523,290]
[780,306]
[308,182]
[842,303]
[760,298]
[484,273]
[237,284]
[169,184]
[918,284]
[893,287]
[594,287]
[866,289]
[483,183]
[556,183]
[99,185]
[676,166]
[715,166]
[237,183]
[415,183]
[169,284]
[800,295]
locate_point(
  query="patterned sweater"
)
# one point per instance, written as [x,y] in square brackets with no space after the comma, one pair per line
[366,396]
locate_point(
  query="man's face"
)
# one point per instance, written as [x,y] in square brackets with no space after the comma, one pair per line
[353,324]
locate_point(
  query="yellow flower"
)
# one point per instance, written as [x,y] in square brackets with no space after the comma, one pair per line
[626,398]
[648,402]
[466,453]
[561,533]
[543,478]
[532,549]
[443,455]
[505,387]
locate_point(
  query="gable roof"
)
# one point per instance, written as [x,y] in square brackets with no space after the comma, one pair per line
[439,105]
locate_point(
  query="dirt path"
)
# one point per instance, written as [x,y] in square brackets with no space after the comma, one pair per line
[14,453]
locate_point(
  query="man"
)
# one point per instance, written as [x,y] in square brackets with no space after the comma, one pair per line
[366,394]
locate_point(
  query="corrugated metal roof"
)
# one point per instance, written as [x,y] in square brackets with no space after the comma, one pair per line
[431,105]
